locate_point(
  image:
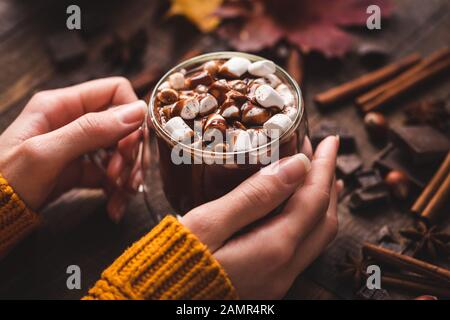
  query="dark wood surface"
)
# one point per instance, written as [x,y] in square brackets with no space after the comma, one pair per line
[76,229]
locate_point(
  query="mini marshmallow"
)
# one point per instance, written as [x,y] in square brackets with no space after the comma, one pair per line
[272,80]
[267,97]
[277,125]
[235,67]
[176,80]
[261,68]
[286,94]
[211,67]
[164,85]
[231,111]
[208,104]
[190,109]
[241,141]
[291,112]
[178,129]
[252,114]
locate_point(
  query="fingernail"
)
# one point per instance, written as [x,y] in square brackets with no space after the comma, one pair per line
[338,140]
[132,112]
[294,168]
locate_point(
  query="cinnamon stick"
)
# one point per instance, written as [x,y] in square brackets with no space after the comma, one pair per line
[428,61]
[407,263]
[432,210]
[366,81]
[431,188]
[422,288]
[411,82]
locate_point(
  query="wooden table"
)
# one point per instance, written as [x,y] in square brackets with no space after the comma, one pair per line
[76,229]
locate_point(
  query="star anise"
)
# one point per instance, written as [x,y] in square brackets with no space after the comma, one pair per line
[428,242]
[353,269]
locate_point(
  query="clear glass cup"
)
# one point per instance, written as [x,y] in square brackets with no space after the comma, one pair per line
[186,186]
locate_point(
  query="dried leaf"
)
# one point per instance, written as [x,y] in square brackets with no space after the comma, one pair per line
[199,12]
[308,24]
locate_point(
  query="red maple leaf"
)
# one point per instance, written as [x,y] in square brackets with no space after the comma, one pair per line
[252,25]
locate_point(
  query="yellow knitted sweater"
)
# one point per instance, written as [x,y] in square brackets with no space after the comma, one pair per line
[167,263]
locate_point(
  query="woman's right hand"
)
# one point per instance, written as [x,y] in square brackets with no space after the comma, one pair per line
[263,257]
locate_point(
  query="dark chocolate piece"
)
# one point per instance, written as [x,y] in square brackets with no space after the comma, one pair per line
[364,198]
[434,112]
[348,165]
[391,158]
[368,178]
[331,128]
[66,48]
[421,144]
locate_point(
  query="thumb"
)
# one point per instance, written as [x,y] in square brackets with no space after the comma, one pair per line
[250,201]
[94,130]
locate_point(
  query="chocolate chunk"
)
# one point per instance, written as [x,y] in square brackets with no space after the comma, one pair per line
[348,165]
[66,48]
[434,112]
[328,128]
[420,144]
[364,198]
[369,178]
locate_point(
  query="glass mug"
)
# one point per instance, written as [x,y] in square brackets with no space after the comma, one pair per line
[188,185]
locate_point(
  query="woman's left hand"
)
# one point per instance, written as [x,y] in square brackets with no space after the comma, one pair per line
[43,150]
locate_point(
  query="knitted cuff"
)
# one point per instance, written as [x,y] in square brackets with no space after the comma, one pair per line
[167,263]
[16,220]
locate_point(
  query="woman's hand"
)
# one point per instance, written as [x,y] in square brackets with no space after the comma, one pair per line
[42,151]
[263,257]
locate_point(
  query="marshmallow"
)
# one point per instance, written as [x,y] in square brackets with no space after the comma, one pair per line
[235,67]
[167,96]
[267,97]
[252,114]
[230,111]
[178,129]
[291,112]
[200,78]
[219,90]
[187,108]
[286,94]
[164,85]
[272,80]
[215,127]
[176,80]
[212,67]
[261,68]
[239,85]
[241,141]
[208,104]
[277,125]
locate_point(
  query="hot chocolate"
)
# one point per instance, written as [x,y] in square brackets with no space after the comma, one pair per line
[219,118]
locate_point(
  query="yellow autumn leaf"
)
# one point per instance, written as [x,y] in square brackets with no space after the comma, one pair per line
[199,12]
